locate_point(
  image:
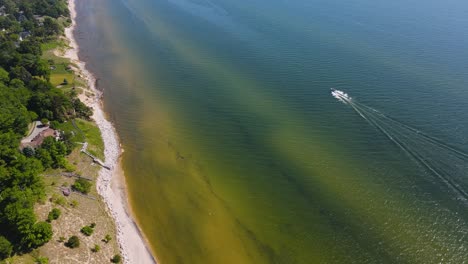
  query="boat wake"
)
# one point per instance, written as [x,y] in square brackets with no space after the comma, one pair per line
[340,95]
[446,163]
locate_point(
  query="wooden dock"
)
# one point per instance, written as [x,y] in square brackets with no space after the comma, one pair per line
[95,160]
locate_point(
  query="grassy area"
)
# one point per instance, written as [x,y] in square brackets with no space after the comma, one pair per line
[87,132]
[23,259]
[77,211]
[59,74]
[49,48]
[60,65]
[51,45]
[68,127]
[93,137]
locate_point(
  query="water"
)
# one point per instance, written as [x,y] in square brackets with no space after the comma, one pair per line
[443,161]
[235,151]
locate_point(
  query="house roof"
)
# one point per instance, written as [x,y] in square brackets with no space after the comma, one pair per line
[39,139]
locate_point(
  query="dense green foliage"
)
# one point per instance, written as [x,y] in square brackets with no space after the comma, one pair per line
[54,214]
[5,247]
[52,153]
[42,260]
[116,259]
[26,95]
[82,185]
[87,230]
[73,242]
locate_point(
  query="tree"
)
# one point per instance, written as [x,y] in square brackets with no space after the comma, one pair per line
[13,37]
[27,25]
[9,142]
[30,46]
[13,115]
[29,152]
[5,248]
[45,121]
[39,234]
[51,26]
[65,82]
[67,137]
[16,83]
[73,242]
[52,153]
[41,69]
[19,72]
[10,6]
[54,124]
[44,156]
[4,76]
[81,109]
[26,94]
[116,259]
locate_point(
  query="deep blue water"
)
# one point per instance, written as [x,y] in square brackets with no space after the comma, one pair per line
[236,152]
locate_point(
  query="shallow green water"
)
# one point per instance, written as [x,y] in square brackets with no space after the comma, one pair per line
[235,151]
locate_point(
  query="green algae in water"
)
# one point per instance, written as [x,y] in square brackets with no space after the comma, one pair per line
[235,152]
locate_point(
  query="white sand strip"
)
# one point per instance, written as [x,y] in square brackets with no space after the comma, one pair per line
[110,183]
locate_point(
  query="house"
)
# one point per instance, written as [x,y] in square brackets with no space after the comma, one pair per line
[23,35]
[22,17]
[39,138]
[39,19]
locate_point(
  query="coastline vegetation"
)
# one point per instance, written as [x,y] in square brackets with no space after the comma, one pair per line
[36,84]
[82,185]
[26,94]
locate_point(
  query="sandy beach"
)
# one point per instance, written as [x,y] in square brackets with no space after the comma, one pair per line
[111,183]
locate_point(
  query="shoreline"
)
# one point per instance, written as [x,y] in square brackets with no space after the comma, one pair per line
[110,183]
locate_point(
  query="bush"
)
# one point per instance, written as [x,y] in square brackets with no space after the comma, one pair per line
[82,185]
[45,121]
[87,230]
[73,242]
[54,124]
[42,260]
[39,234]
[54,215]
[116,259]
[29,152]
[69,168]
[107,238]
[96,248]
[74,203]
[57,199]
[5,248]
[93,225]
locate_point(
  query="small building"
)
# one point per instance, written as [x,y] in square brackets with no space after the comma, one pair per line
[23,35]
[22,18]
[2,11]
[39,19]
[39,138]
